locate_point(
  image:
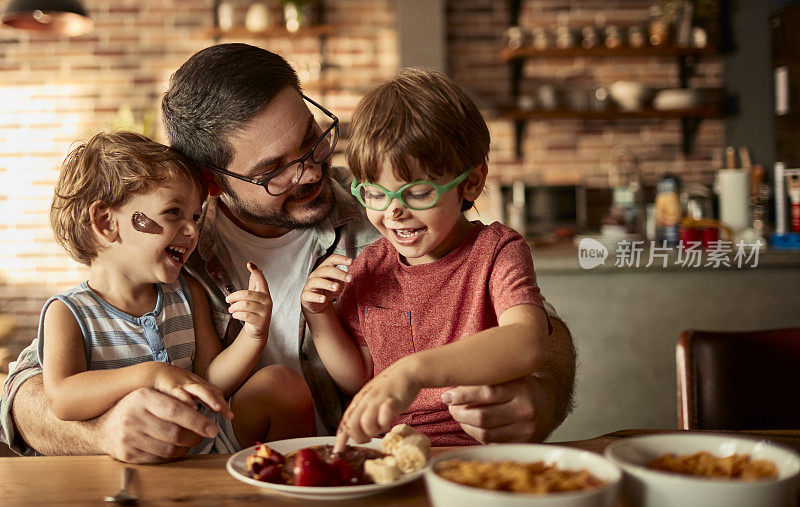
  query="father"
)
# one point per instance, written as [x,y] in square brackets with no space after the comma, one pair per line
[238,110]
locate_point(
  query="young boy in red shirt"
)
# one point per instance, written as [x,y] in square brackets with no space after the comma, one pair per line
[439,301]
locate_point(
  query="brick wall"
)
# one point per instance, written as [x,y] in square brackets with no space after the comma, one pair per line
[575,151]
[55,90]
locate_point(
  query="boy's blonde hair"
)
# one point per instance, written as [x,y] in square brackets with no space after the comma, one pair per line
[110,168]
[420,123]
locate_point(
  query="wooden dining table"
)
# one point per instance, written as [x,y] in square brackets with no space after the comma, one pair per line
[204,480]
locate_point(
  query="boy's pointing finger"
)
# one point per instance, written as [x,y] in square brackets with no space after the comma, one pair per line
[257,280]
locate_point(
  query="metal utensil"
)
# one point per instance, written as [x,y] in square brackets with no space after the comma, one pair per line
[124,497]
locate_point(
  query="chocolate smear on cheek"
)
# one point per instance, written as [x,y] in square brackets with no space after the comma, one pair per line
[143,223]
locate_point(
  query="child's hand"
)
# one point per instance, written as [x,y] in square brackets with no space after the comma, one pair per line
[372,409]
[254,305]
[188,387]
[325,283]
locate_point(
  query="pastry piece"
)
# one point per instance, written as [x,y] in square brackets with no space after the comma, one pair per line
[395,435]
[412,452]
[409,451]
[382,471]
[266,465]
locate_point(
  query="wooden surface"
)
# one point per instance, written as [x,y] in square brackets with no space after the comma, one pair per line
[199,480]
[203,480]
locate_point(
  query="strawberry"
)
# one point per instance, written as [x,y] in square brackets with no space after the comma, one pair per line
[346,473]
[270,473]
[311,470]
[275,457]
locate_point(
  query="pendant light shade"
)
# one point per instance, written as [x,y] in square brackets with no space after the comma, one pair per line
[66,17]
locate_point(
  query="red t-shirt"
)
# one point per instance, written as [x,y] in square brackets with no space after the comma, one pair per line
[396,309]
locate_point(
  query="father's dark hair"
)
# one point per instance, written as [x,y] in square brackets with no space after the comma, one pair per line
[215,93]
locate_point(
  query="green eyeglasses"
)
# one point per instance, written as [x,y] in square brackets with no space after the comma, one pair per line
[417,195]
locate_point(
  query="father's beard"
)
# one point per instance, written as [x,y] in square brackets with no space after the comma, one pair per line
[312,212]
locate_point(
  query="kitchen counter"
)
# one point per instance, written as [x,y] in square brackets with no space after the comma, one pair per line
[625,323]
[563,257]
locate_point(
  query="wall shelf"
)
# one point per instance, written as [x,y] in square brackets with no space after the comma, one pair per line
[322,83]
[611,114]
[685,57]
[523,53]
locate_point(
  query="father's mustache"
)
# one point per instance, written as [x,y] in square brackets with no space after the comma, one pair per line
[309,188]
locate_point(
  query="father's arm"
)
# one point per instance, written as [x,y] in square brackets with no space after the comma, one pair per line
[146,426]
[523,410]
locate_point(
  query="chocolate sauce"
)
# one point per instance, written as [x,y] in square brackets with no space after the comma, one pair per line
[143,223]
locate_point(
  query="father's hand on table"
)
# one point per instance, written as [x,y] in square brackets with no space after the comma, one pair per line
[521,410]
[148,426]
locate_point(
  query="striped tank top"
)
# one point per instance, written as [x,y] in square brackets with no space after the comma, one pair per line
[115,339]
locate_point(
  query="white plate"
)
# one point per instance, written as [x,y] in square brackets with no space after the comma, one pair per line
[236,467]
[654,488]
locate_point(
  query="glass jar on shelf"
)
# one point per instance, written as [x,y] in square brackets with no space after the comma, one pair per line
[613,37]
[515,37]
[659,27]
[636,38]
[539,38]
[226,16]
[257,17]
[564,36]
[589,37]
[599,99]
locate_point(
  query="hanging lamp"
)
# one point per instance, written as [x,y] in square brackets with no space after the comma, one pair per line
[66,17]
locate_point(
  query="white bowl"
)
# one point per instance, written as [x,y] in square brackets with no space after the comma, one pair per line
[652,488]
[445,493]
[629,95]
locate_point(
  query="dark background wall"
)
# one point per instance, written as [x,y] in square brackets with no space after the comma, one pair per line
[748,75]
[777,4]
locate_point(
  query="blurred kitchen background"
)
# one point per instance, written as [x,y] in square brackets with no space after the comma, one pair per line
[591,104]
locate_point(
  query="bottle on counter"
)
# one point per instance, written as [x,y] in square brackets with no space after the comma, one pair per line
[668,209]
[627,192]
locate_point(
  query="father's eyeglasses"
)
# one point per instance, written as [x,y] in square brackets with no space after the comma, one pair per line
[283,179]
[417,195]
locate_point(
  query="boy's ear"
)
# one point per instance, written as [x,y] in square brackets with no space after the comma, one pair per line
[104,222]
[214,188]
[473,185]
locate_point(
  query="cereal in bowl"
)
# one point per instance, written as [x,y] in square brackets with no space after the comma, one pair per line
[535,477]
[705,464]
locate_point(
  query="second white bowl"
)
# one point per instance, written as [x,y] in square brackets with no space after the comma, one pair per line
[654,488]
